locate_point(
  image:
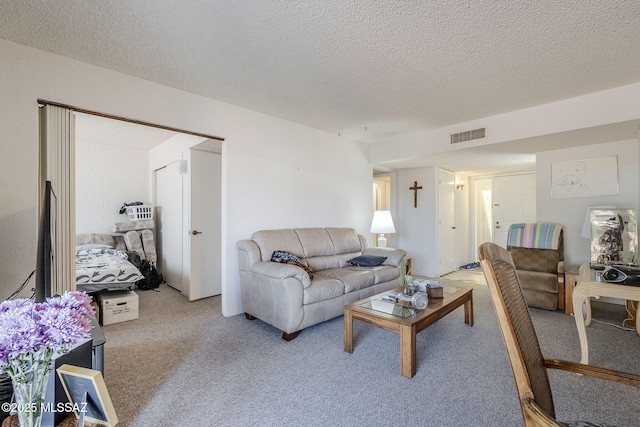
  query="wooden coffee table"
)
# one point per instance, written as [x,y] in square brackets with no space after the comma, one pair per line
[406,327]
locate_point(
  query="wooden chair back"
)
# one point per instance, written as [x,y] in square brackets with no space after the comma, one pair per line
[519,335]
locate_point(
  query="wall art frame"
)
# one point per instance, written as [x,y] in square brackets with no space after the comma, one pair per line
[585,178]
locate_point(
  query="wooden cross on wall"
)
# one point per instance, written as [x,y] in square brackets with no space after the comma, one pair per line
[415,189]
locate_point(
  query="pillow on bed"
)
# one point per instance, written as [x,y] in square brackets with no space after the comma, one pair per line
[367,260]
[89,246]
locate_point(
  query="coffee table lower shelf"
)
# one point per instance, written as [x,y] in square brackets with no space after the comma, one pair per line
[408,327]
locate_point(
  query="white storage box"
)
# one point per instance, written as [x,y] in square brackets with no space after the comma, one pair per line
[118,306]
[140,212]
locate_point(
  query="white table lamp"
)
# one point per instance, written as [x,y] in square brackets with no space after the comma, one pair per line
[382,224]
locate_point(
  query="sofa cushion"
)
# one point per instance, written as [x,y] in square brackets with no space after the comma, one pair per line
[315,242]
[541,260]
[385,273]
[367,260]
[345,240]
[354,278]
[322,288]
[277,240]
[328,262]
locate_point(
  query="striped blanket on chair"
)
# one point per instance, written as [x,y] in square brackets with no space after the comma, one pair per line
[538,235]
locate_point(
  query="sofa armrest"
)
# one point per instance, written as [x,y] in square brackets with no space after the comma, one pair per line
[561,267]
[276,270]
[248,254]
[394,256]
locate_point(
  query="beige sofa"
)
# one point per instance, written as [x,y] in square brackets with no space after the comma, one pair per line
[285,296]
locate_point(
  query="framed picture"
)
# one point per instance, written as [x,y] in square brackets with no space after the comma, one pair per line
[614,237]
[87,394]
[585,178]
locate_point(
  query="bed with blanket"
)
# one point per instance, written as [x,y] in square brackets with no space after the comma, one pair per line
[99,268]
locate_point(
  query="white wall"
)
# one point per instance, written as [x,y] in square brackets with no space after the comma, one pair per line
[570,212]
[106,177]
[416,227]
[275,173]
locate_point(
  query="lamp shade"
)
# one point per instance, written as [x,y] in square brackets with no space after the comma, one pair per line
[382,223]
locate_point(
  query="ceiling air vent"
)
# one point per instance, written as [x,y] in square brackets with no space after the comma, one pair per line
[467,135]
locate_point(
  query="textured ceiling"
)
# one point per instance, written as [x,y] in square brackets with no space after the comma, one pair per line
[92,129]
[368,70]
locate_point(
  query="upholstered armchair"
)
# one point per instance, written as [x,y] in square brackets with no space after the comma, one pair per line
[538,254]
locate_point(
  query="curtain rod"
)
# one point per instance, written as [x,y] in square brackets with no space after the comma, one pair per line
[43,102]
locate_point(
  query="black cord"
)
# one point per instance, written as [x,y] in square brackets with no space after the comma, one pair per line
[13,295]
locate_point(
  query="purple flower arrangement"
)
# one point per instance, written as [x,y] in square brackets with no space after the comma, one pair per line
[31,333]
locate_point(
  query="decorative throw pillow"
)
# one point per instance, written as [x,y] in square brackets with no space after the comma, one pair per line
[287,258]
[367,260]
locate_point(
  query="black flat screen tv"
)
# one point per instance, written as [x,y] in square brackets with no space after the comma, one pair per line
[45,265]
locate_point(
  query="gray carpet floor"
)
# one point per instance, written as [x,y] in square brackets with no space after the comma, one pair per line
[184,364]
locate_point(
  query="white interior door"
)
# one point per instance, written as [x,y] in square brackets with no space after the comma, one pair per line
[205,242]
[169,223]
[446,222]
[514,201]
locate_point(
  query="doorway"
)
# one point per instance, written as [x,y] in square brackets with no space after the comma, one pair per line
[514,201]
[382,202]
[498,202]
[188,191]
[67,180]
[482,213]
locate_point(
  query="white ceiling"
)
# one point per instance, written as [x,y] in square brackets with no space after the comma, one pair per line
[368,70]
[92,129]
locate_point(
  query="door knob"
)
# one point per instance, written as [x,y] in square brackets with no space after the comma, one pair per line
[194,232]
[497,226]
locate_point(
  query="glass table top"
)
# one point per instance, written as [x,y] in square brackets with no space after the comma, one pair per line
[401,309]
[390,307]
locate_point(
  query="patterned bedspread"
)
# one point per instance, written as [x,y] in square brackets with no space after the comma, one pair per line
[104,268]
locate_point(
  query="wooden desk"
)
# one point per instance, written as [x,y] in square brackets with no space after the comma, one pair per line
[587,287]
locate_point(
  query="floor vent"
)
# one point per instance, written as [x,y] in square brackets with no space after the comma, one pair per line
[467,135]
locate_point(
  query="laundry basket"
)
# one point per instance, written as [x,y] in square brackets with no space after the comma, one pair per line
[140,212]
